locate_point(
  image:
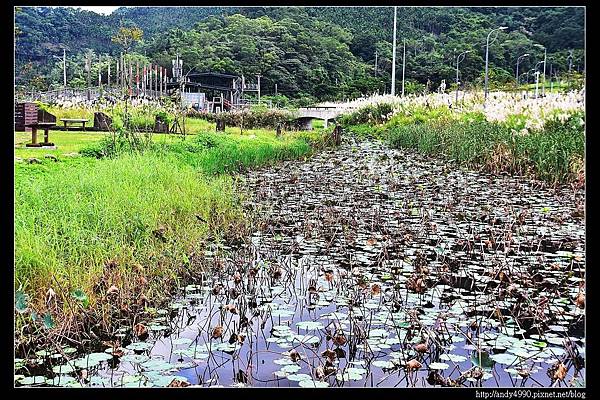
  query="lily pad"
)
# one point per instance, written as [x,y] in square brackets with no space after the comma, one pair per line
[310,325]
[63,369]
[309,383]
[299,377]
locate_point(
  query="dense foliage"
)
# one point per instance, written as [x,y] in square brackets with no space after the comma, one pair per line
[314,52]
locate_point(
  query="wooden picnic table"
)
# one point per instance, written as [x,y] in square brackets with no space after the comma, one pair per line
[40,125]
[74,121]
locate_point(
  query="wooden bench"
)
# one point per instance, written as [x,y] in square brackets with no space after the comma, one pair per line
[67,121]
[45,126]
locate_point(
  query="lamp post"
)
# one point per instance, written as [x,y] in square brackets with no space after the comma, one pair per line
[544,73]
[537,77]
[544,79]
[64,65]
[487,46]
[459,58]
[518,61]
[570,58]
[394,56]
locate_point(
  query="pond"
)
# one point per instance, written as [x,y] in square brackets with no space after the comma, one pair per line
[369,267]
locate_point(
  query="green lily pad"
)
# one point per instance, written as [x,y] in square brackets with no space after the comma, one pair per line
[453,357]
[485,362]
[42,353]
[158,327]
[156,365]
[80,296]
[383,364]
[181,340]
[310,325]
[309,383]
[291,368]
[61,380]
[48,321]
[140,346]
[63,369]
[299,377]
[505,358]
[438,365]
[21,301]
[135,358]
[33,380]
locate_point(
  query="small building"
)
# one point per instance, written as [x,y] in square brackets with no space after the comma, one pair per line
[211,91]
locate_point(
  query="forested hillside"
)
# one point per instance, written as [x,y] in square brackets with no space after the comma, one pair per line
[314,52]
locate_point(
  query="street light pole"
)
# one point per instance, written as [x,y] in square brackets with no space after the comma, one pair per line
[537,77]
[258,76]
[487,45]
[570,58]
[458,60]
[544,76]
[394,56]
[403,66]
[65,68]
[518,61]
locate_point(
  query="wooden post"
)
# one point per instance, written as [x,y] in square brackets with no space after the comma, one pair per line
[122,71]
[130,83]
[155,80]
[33,135]
[161,81]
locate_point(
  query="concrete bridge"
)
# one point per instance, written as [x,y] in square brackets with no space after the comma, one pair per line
[307,114]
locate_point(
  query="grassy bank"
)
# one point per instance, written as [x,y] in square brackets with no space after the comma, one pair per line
[554,154]
[542,139]
[129,225]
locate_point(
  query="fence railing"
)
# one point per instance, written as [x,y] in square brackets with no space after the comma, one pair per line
[89,93]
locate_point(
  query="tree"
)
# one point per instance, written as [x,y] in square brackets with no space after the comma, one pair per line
[127,36]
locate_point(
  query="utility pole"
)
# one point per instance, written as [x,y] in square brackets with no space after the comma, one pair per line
[99,70]
[258,76]
[243,87]
[275,89]
[87,68]
[403,66]
[394,56]
[570,58]
[108,77]
[121,78]
[460,57]
[544,76]
[487,45]
[375,62]
[65,68]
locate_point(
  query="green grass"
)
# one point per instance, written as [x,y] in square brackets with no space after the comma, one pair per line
[73,216]
[219,153]
[65,141]
[554,154]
